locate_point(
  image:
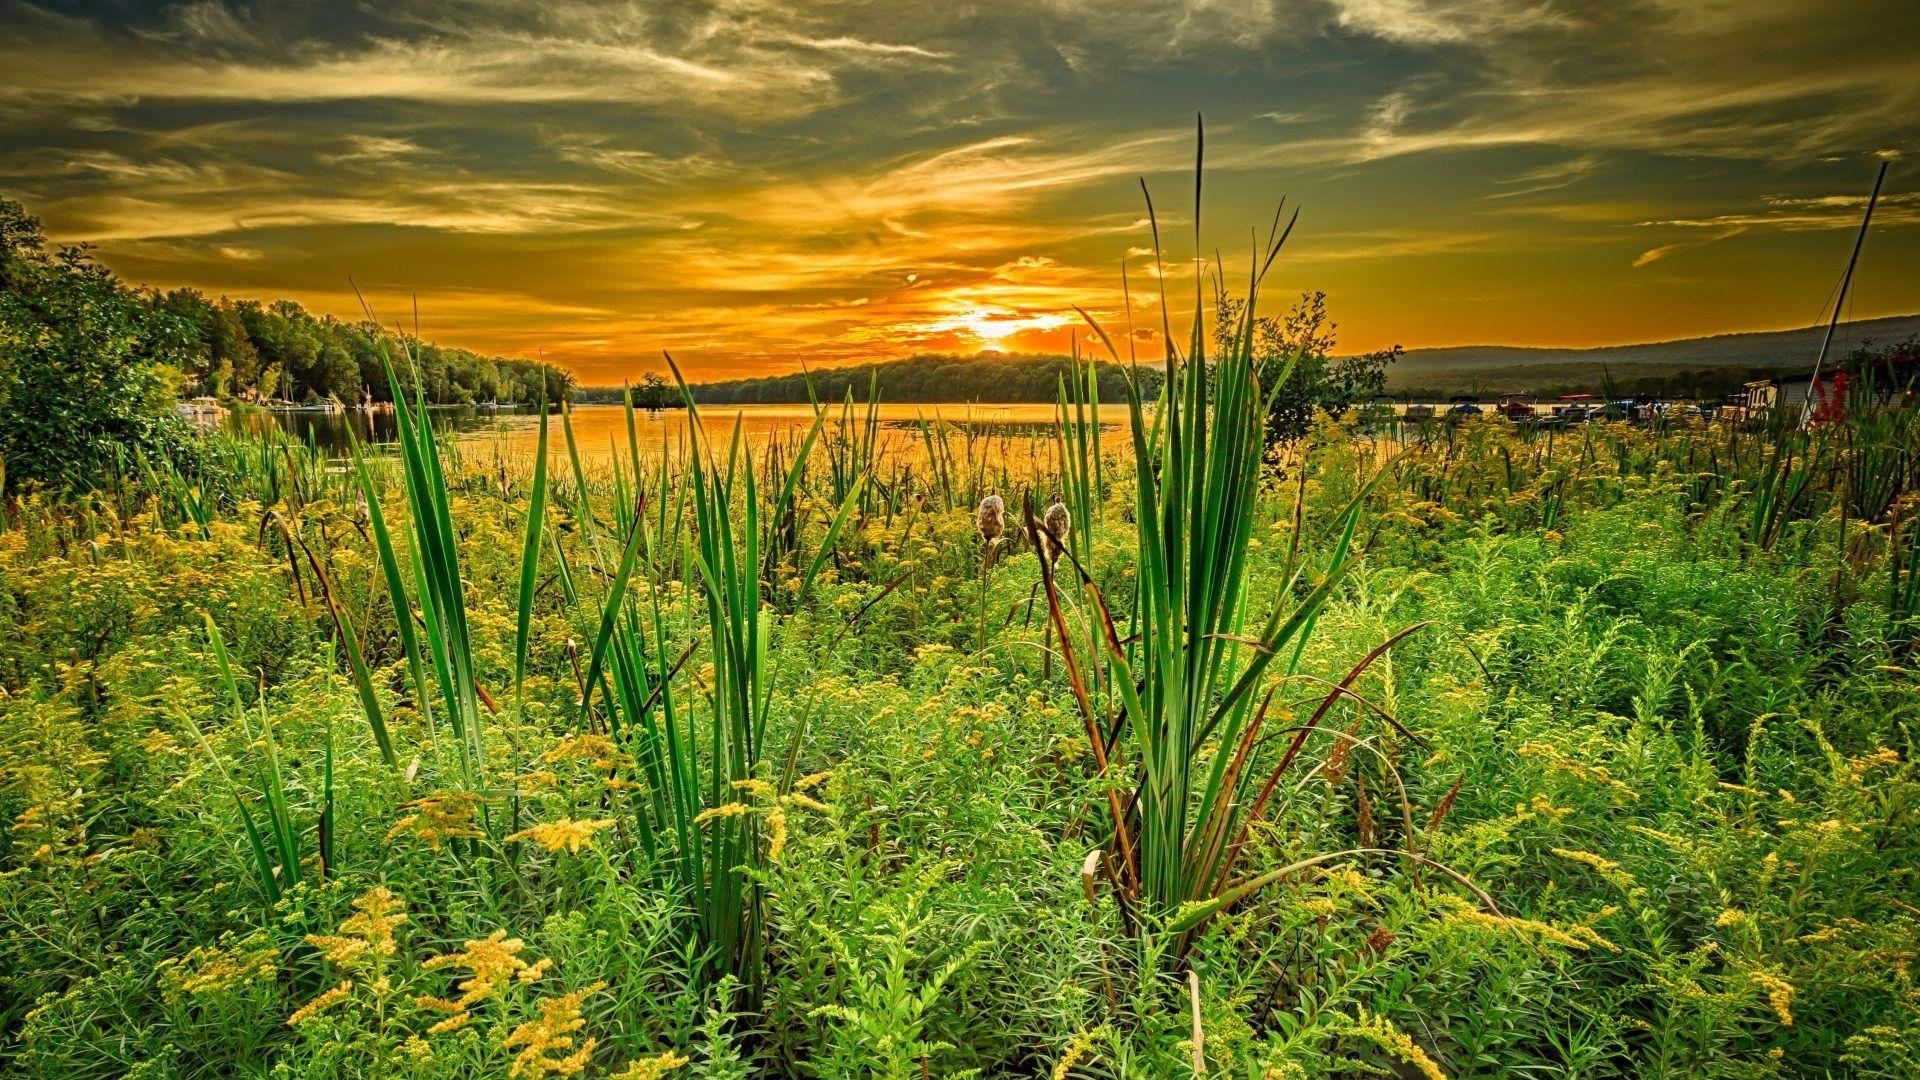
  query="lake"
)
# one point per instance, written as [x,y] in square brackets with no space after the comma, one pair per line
[600,430]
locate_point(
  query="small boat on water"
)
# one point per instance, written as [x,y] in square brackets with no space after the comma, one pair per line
[312,405]
[1518,408]
[1572,408]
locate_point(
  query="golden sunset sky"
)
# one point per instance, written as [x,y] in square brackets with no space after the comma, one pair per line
[759,183]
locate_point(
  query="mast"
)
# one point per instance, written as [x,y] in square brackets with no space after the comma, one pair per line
[1840,301]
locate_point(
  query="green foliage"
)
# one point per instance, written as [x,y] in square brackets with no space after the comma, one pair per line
[87,363]
[1679,760]
[919,379]
[87,381]
[1300,345]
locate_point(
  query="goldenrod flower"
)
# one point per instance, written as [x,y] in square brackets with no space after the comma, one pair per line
[599,749]
[808,801]
[1078,1049]
[564,833]
[1381,1033]
[452,1023]
[552,1033]
[724,810]
[652,1068]
[493,962]
[1779,993]
[380,911]
[440,816]
[327,1000]
[777,830]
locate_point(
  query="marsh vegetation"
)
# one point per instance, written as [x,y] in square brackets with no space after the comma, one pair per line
[912,749]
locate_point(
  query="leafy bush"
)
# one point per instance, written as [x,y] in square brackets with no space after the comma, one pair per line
[86,379]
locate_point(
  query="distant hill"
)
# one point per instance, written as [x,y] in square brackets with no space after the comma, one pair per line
[1717,363]
[921,379]
[1691,367]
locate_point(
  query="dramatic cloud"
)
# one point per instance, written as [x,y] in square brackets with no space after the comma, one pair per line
[752,183]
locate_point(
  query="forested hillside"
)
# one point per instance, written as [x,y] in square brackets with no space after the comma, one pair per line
[245,349]
[931,379]
[257,349]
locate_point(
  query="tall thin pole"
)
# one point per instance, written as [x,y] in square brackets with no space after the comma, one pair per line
[1840,301]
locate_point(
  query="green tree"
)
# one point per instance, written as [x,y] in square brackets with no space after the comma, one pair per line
[1317,381]
[89,370]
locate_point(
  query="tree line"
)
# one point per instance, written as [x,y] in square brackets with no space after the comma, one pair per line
[276,350]
[926,379]
[254,350]
[91,367]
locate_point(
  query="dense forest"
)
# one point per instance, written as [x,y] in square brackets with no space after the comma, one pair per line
[930,379]
[1892,363]
[249,350]
[261,350]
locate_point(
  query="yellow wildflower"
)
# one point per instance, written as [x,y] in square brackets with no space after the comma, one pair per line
[599,749]
[808,801]
[777,828]
[725,810]
[1078,1049]
[538,1040]
[564,833]
[327,1000]
[440,816]
[379,912]
[493,961]
[1779,993]
[452,1023]
[1379,1031]
[652,1068]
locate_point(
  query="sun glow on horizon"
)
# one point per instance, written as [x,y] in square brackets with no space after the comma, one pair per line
[991,325]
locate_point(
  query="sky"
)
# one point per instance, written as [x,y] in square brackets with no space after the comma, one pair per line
[757,184]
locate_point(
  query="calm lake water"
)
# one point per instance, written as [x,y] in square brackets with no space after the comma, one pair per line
[601,430]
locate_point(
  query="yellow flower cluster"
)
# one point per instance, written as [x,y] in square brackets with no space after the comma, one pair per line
[207,971]
[567,834]
[439,817]
[1379,1031]
[537,1041]
[652,1068]
[326,1000]
[1463,914]
[1606,868]
[1078,1049]
[368,934]
[1779,993]
[772,805]
[599,750]
[495,963]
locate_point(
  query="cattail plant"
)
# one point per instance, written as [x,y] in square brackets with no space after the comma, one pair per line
[1058,524]
[991,522]
[1187,672]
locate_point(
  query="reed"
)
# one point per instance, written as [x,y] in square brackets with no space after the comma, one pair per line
[275,849]
[439,593]
[1186,673]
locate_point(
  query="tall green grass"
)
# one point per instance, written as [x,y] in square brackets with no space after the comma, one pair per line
[1186,673]
[438,595]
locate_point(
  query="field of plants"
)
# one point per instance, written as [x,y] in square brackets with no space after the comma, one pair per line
[1097,750]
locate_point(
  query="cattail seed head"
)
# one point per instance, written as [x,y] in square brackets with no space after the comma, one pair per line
[991,519]
[1059,523]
